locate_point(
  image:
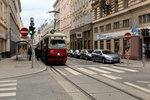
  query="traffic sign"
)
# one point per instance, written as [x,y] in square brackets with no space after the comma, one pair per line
[24,31]
[127,36]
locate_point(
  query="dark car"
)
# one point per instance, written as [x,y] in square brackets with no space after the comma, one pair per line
[70,53]
[86,54]
[105,56]
[77,53]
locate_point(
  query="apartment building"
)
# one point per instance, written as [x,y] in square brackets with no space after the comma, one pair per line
[81,24]
[113,18]
[3,27]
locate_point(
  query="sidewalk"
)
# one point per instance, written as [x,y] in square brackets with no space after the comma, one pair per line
[10,67]
[133,63]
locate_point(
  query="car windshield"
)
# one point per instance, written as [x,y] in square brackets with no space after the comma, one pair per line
[107,52]
[90,51]
[57,44]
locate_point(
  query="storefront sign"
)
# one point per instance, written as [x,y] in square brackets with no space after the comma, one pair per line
[99,36]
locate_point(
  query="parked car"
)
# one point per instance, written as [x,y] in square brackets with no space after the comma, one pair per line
[105,56]
[86,54]
[70,53]
[77,53]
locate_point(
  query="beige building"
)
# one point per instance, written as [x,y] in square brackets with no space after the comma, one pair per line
[81,24]
[65,19]
[10,23]
[113,18]
[3,26]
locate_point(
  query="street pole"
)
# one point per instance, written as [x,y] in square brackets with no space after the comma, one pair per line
[32,52]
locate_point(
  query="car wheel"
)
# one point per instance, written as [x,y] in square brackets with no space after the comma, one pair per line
[103,61]
[93,59]
[80,57]
[86,58]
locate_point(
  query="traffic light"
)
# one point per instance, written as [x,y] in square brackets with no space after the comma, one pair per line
[31,30]
[145,32]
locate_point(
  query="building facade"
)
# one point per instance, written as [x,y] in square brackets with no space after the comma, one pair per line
[14,26]
[113,18]
[65,19]
[81,24]
[3,27]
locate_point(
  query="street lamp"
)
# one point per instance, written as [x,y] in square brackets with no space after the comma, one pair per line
[52,31]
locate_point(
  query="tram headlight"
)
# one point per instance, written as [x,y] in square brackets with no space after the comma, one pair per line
[58,54]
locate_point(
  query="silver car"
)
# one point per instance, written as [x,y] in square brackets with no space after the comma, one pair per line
[105,56]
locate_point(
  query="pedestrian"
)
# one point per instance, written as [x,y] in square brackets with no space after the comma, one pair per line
[38,53]
[30,52]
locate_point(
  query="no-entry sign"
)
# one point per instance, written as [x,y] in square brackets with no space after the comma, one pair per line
[24,31]
[127,36]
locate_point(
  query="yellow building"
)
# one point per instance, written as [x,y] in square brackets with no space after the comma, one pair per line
[113,18]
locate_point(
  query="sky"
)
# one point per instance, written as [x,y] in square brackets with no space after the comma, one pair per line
[37,9]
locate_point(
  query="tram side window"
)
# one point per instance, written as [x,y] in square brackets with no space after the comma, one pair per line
[57,44]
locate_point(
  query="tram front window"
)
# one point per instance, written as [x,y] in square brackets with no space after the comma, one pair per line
[57,44]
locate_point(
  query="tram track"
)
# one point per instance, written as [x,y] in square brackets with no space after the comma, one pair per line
[76,86]
[89,95]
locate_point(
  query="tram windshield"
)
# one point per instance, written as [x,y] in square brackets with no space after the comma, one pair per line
[57,44]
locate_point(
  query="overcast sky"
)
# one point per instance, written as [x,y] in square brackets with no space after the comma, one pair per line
[37,9]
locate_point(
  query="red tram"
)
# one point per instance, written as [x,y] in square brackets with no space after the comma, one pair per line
[53,48]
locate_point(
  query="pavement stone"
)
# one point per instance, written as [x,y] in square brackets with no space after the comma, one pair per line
[10,67]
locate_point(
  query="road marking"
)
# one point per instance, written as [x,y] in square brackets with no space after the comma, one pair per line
[4,81]
[114,70]
[72,71]
[143,82]
[126,69]
[11,84]
[61,72]
[100,70]
[7,94]
[7,89]
[87,71]
[111,77]
[138,87]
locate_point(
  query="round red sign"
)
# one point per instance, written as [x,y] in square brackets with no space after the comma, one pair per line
[127,36]
[24,31]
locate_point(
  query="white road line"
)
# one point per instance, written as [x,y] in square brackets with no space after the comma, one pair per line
[11,84]
[72,71]
[114,70]
[87,71]
[8,89]
[126,69]
[61,72]
[4,81]
[138,87]
[111,77]
[100,70]
[7,94]
[147,82]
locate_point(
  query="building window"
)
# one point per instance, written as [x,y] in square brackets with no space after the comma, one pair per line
[101,28]
[144,19]
[108,44]
[108,27]
[96,44]
[126,3]
[95,30]
[101,44]
[126,23]
[116,25]
[95,13]
[116,5]
[89,42]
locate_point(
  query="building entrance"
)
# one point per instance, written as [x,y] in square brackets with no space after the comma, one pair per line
[147,47]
